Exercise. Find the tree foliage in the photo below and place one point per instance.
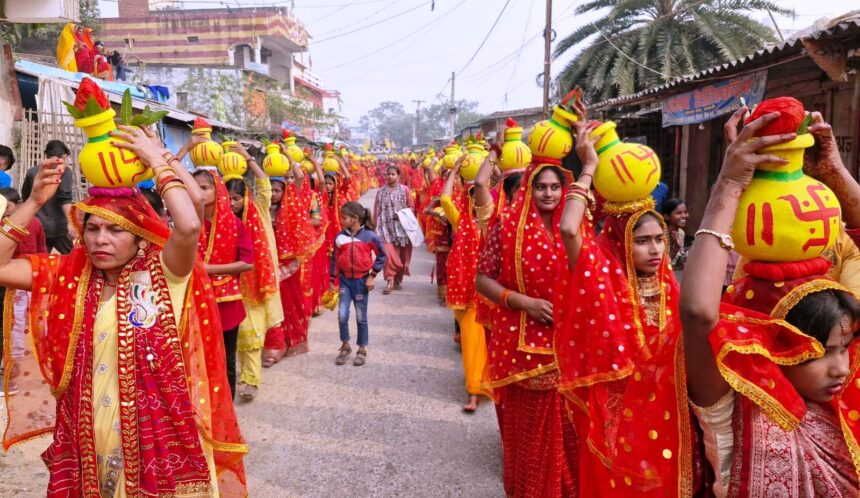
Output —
(671, 37)
(391, 120)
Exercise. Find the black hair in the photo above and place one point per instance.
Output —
(353, 208)
(554, 169)
(6, 153)
(205, 174)
(154, 199)
(236, 186)
(394, 167)
(11, 195)
(56, 148)
(510, 184)
(817, 313)
(670, 205)
(654, 215)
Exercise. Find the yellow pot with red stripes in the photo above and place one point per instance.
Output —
(551, 137)
(625, 171)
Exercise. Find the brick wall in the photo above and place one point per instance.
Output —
(133, 9)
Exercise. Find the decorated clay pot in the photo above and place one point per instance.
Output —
(551, 138)
(625, 171)
(330, 164)
(470, 165)
(275, 163)
(785, 215)
(232, 164)
(293, 150)
(207, 153)
(516, 155)
(307, 165)
(452, 153)
(103, 164)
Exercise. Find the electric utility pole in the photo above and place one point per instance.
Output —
(547, 40)
(415, 124)
(453, 108)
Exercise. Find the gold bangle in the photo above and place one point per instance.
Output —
(172, 185)
(577, 197)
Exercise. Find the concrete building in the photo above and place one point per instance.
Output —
(224, 62)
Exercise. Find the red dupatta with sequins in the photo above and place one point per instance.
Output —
(219, 244)
(751, 342)
(531, 259)
(463, 259)
(623, 369)
(294, 234)
(169, 401)
(261, 282)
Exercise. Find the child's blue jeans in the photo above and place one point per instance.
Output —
(352, 290)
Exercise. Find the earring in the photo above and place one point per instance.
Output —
(141, 247)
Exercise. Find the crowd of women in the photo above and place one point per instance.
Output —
(608, 378)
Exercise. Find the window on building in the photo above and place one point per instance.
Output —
(193, 39)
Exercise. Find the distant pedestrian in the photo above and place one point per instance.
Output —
(54, 215)
(354, 265)
(7, 160)
(391, 198)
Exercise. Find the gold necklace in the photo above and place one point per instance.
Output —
(650, 290)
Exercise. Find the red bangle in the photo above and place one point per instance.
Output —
(503, 298)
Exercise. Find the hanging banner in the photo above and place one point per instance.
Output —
(714, 100)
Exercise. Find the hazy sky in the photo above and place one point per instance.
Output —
(376, 50)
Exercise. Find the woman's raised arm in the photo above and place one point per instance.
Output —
(702, 289)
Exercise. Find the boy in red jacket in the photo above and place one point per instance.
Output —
(354, 265)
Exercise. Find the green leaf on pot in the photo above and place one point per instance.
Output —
(73, 111)
(92, 107)
(804, 125)
(125, 109)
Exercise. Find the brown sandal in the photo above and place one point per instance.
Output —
(342, 355)
(360, 357)
(272, 356)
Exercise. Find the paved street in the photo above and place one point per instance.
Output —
(390, 428)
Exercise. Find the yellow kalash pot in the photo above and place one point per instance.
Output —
(232, 164)
(626, 172)
(293, 150)
(307, 165)
(551, 138)
(785, 215)
(452, 153)
(473, 160)
(275, 163)
(330, 164)
(209, 152)
(428, 157)
(103, 164)
(516, 155)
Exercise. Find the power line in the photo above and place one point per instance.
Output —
(522, 45)
(362, 19)
(362, 28)
(496, 22)
(391, 44)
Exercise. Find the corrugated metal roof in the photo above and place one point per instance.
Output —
(821, 30)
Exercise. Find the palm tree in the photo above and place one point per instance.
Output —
(644, 43)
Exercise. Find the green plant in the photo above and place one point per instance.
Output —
(639, 44)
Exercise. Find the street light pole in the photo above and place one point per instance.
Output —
(415, 124)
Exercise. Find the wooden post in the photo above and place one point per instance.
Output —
(854, 157)
(547, 40)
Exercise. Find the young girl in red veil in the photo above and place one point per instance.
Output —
(260, 291)
(774, 388)
(520, 261)
(295, 239)
(618, 345)
(128, 315)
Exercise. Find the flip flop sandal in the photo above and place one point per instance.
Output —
(387, 290)
(360, 357)
(342, 355)
(269, 359)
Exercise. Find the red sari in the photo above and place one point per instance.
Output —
(296, 241)
(783, 442)
(618, 347)
(538, 440)
(173, 383)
